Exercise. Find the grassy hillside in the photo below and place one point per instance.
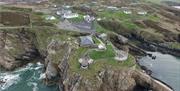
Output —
(158, 1)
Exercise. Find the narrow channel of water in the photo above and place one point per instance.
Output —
(165, 68)
(28, 78)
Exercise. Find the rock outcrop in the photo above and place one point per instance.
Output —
(17, 47)
(113, 80)
(118, 80)
(51, 71)
(56, 60)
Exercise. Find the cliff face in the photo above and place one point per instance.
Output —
(108, 79)
(113, 80)
(57, 66)
(17, 47)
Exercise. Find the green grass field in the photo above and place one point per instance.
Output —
(108, 53)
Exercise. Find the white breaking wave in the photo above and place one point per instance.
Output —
(42, 76)
(12, 78)
(9, 79)
(39, 64)
(34, 88)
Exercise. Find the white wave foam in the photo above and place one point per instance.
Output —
(39, 63)
(9, 80)
(37, 68)
(35, 88)
(42, 76)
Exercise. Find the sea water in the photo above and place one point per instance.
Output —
(28, 78)
(165, 68)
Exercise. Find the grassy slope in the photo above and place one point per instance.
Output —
(98, 64)
(109, 53)
(159, 1)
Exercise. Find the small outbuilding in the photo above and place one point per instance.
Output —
(85, 62)
(142, 13)
(112, 8)
(127, 12)
(50, 18)
(70, 15)
(89, 18)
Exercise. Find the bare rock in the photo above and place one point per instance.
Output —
(51, 71)
(16, 48)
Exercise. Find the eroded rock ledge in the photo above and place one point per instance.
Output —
(17, 47)
(114, 80)
(108, 79)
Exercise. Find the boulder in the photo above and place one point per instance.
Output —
(122, 39)
(51, 71)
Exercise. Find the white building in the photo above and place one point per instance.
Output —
(101, 47)
(112, 8)
(61, 12)
(98, 19)
(142, 13)
(70, 15)
(85, 62)
(67, 14)
(50, 18)
(127, 12)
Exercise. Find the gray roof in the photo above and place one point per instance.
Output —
(85, 61)
(86, 40)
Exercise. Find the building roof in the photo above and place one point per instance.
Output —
(142, 12)
(85, 61)
(70, 15)
(63, 11)
(50, 18)
(86, 40)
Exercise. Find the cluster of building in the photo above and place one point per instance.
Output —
(87, 41)
(67, 14)
(87, 26)
(84, 25)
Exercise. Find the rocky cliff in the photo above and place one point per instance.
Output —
(17, 47)
(107, 79)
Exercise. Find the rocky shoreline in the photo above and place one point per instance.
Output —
(57, 49)
(160, 48)
(17, 48)
(107, 80)
(58, 73)
(149, 72)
